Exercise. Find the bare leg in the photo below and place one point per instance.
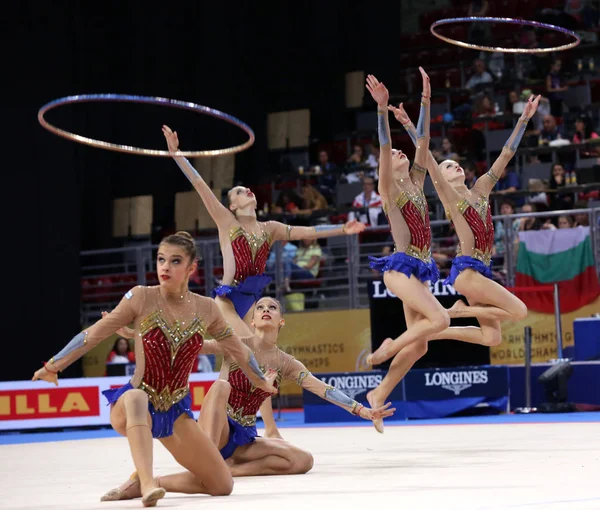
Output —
(241, 326)
(207, 472)
(494, 302)
(402, 363)
(270, 457)
(213, 416)
(416, 296)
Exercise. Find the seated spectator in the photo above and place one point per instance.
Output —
(357, 158)
(326, 170)
(312, 200)
(368, 198)
(507, 207)
(445, 151)
(121, 352)
(583, 130)
(509, 181)
(373, 159)
(288, 254)
(306, 265)
(470, 174)
(582, 219)
(566, 222)
(529, 223)
(515, 104)
(550, 131)
(557, 181)
(555, 87)
(288, 202)
(480, 78)
(537, 185)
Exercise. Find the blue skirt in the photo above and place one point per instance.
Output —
(238, 436)
(162, 422)
(459, 264)
(407, 265)
(245, 294)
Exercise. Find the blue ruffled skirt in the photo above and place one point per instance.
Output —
(245, 294)
(238, 436)
(407, 265)
(459, 264)
(162, 422)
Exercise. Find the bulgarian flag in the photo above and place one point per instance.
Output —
(561, 256)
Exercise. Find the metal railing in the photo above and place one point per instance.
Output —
(340, 284)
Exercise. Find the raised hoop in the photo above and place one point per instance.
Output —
(174, 103)
(511, 21)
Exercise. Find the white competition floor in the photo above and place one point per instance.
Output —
(546, 462)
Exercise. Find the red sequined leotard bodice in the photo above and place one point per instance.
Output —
(479, 218)
(414, 209)
(250, 252)
(170, 355)
(245, 399)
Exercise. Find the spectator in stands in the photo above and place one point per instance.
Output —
(373, 159)
(326, 170)
(582, 219)
(529, 223)
(306, 265)
(368, 198)
(121, 352)
(509, 181)
(566, 222)
(529, 65)
(445, 151)
(470, 174)
(583, 130)
(550, 131)
(537, 186)
(515, 104)
(555, 87)
(357, 158)
(557, 181)
(288, 202)
(288, 254)
(480, 78)
(312, 200)
(507, 207)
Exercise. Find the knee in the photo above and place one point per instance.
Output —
(135, 400)
(224, 488)
(520, 312)
(302, 463)
(221, 388)
(441, 321)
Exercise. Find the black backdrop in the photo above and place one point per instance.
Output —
(246, 58)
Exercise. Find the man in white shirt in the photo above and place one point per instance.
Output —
(480, 77)
(368, 198)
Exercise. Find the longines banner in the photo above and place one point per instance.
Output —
(75, 403)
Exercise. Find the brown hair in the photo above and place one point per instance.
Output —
(183, 240)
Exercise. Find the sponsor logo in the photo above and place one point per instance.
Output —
(456, 381)
(50, 403)
(353, 385)
(380, 291)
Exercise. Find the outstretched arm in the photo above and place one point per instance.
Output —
(279, 231)
(381, 96)
(487, 182)
(86, 340)
(218, 212)
(423, 135)
(296, 371)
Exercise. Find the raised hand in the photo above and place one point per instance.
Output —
(426, 83)
(354, 227)
(399, 113)
(171, 137)
(125, 332)
(378, 413)
(378, 91)
(531, 107)
(44, 374)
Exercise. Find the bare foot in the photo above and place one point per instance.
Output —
(381, 354)
(375, 403)
(457, 309)
(129, 490)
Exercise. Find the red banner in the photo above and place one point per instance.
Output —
(50, 403)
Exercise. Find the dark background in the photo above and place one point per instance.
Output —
(387, 320)
(245, 58)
